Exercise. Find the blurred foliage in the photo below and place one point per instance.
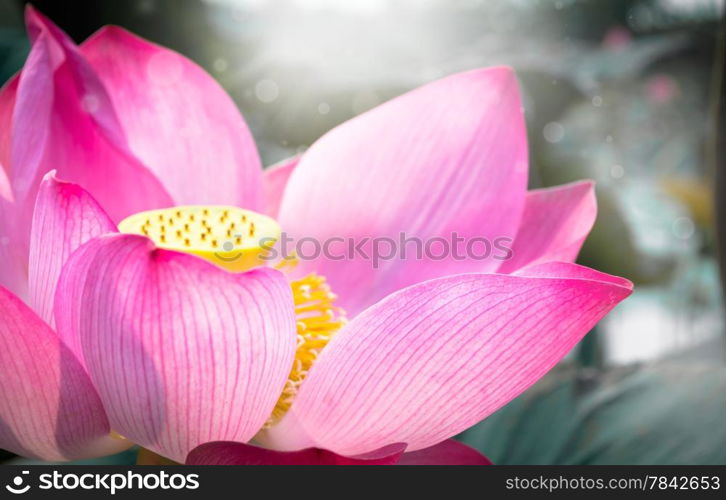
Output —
(127, 457)
(14, 44)
(667, 413)
(13, 51)
(610, 247)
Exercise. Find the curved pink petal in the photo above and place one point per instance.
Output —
(274, 181)
(182, 352)
(178, 121)
(554, 226)
(571, 271)
(27, 99)
(449, 157)
(10, 273)
(48, 407)
(13, 273)
(430, 361)
(6, 190)
(64, 120)
(31, 117)
(229, 453)
(449, 452)
(65, 217)
(8, 94)
(13, 270)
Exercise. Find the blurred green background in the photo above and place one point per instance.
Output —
(624, 92)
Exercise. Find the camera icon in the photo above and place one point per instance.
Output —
(17, 487)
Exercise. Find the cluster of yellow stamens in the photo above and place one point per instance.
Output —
(230, 237)
(318, 319)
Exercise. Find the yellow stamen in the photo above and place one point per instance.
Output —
(287, 263)
(318, 319)
(204, 233)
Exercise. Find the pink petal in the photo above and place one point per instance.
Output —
(448, 157)
(274, 181)
(182, 352)
(555, 223)
(12, 259)
(229, 453)
(21, 144)
(12, 272)
(7, 104)
(449, 452)
(429, 361)
(56, 115)
(6, 190)
(572, 271)
(31, 117)
(48, 406)
(178, 121)
(64, 120)
(65, 217)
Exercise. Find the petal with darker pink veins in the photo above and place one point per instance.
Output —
(65, 217)
(433, 359)
(181, 351)
(445, 161)
(49, 408)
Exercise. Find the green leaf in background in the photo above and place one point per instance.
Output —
(669, 412)
(127, 457)
(533, 428)
(14, 49)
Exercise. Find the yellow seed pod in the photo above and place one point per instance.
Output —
(230, 237)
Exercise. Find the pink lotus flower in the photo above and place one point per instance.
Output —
(104, 331)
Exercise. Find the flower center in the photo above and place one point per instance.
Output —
(318, 319)
(230, 237)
